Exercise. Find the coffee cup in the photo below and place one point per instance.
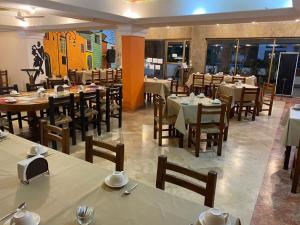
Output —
(22, 218)
(201, 95)
(36, 149)
(117, 178)
(215, 217)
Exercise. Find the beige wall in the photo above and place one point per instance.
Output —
(199, 34)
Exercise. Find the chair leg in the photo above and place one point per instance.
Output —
(160, 134)
(225, 133)
(240, 114)
(220, 144)
(20, 120)
(295, 181)
(254, 113)
(155, 130)
(180, 140)
(98, 123)
(10, 124)
(120, 118)
(73, 130)
(190, 137)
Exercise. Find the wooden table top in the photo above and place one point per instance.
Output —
(31, 101)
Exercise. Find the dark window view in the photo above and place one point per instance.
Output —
(254, 56)
(154, 50)
(187, 52)
(175, 52)
(221, 56)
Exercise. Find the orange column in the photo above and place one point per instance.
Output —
(133, 54)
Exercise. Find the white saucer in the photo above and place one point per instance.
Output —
(107, 182)
(201, 219)
(200, 96)
(10, 101)
(172, 96)
(36, 218)
(44, 152)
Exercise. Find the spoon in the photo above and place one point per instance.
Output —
(20, 207)
(127, 192)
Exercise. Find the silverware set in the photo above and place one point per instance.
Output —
(20, 207)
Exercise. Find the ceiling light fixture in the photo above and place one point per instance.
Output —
(218, 24)
(253, 22)
(131, 14)
(32, 10)
(168, 27)
(199, 11)
(297, 20)
(23, 23)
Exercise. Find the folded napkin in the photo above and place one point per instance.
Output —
(216, 101)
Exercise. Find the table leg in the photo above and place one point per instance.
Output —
(33, 132)
(287, 154)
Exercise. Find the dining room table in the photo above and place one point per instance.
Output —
(31, 102)
(157, 86)
(291, 134)
(235, 91)
(73, 182)
(185, 109)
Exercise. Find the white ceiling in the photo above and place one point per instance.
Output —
(83, 14)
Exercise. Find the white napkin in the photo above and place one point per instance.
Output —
(216, 101)
(66, 86)
(192, 94)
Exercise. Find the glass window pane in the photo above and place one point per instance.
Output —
(254, 57)
(221, 56)
(187, 52)
(175, 52)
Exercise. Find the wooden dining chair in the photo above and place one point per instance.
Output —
(79, 76)
(55, 134)
(161, 120)
(295, 173)
(88, 112)
(3, 78)
(267, 97)
(109, 77)
(35, 87)
(214, 129)
(198, 83)
(239, 79)
(118, 76)
(178, 91)
(113, 106)
(72, 77)
(227, 100)
(214, 85)
(4, 125)
(210, 179)
(61, 113)
(248, 103)
(96, 79)
(54, 82)
(12, 116)
(113, 153)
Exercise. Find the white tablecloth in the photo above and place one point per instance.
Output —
(158, 87)
(188, 113)
(291, 133)
(73, 182)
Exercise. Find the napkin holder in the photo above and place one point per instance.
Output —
(32, 167)
(58, 88)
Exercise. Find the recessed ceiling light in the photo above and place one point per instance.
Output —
(297, 20)
(218, 24)
(131, 14)
(248, 45)
(168, 27)
(253, 22)
(23, 23)
(199, 11)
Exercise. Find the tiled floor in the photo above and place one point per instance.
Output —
(240, 169)
(276, 204)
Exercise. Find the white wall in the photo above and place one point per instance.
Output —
(15, 54)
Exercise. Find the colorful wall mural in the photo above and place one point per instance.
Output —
(80, 50)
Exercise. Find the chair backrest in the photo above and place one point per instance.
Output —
(3, 78)
(159, 105)
(66, 103)
(118, 75)
(34, 87)
(7, 90)
(54, 82)
(113, 153)
(217, 80)
(210, 179)
(250, 94)
(109, 75)
(56, 134)
(227, 100)
(215, 111)
(79, 76)
(237, 79)
(174, 87)
(72, 76)
(198, 80)
(86, 99)
(268, 90)
(114, 95)
(96, 76)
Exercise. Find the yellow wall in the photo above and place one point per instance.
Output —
(77, 60)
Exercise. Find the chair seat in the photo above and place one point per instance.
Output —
(61, 119)
(88, 112)
(167, 120)
(245, 104)
(3, 122)
(209, 128)
(112, 107)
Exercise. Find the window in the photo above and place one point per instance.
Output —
(90, 62)
(89, 45)
(82, 48)
(63, 45)
(175, 52)
(221, 56)
(97, 39)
